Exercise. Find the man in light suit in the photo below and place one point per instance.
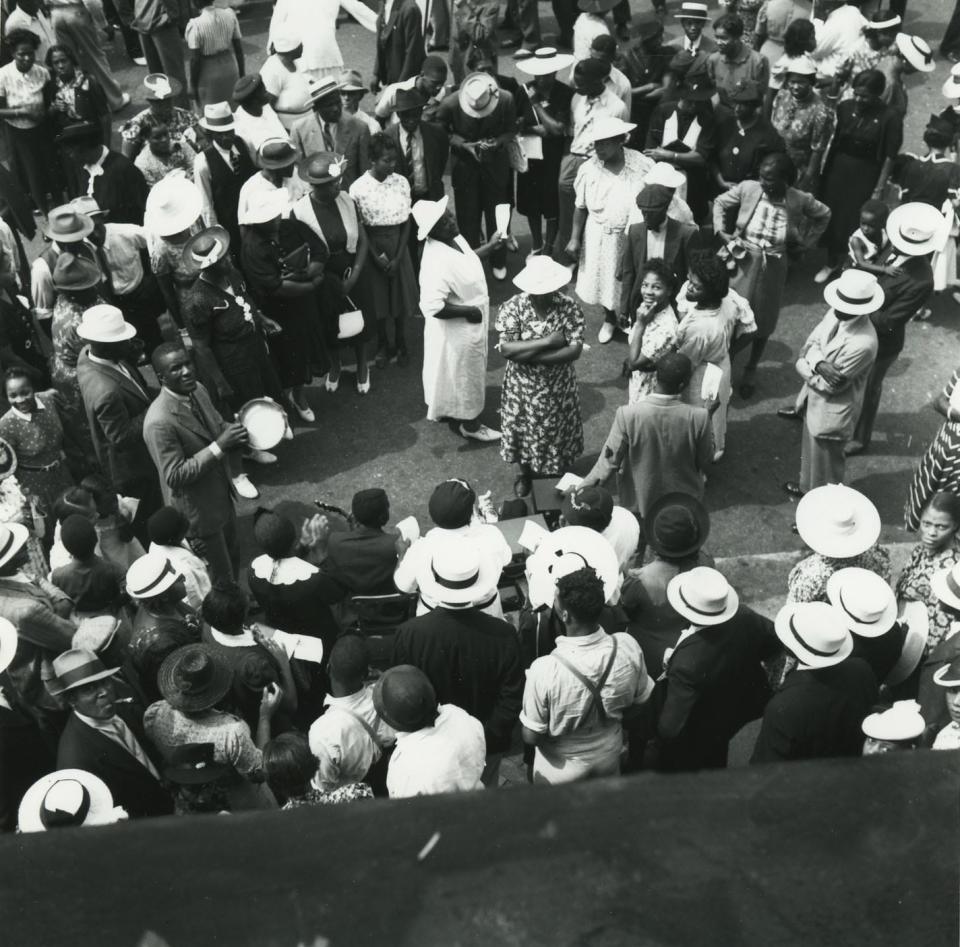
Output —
(834, 364)
(329, 128)
(194, 449)
(116, 399)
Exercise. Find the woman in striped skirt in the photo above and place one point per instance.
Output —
(216, 54)
(940, 466)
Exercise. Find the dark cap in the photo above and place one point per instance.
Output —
(676, 525)
(674, 371)
(407, 100)
(647, 26)
(371, 507)
(451, 505)
(246, 86)
(405, 698)
(588, 506)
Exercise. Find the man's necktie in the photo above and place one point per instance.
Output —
(409, 156)
(201, 418)
(129, 740)
(235, 160)
(327, 137)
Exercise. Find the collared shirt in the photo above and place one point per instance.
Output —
(254, 130)
(767, 228)
(24, 90)
(623, 531)
(122, 245)
(585, 111)
(619, 84)
(447, 757)
(116, 729)
(342, 745)
(414, 144)
(28, 417)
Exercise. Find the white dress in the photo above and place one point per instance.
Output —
(316, 22)
(454, 350)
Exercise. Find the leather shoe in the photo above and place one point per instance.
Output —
(852, 448)
(793, 488)
(789, 414)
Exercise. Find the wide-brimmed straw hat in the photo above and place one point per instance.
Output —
(945, 584)
(73, 273)
(161, 87)
(948, 675)
(916, 228)
(321, 167)
(12, 538)
(8, 459)
(204, 249)
(151, 575)
(915, 618)
(814, 632)
(66, 224)
(95, 633)
(676, 525)
(66, 798)
(855, 293)
(666, 175)
(692, 10)
(916, 51)
(478, 95)
(426, 214)
(951, 87)
(837, 521)
(897, 724)
(217, 117)
(564, 551)
(77, 667)
(542, 275)
(173, 205)
(609, 126)
(867, 602)
(194, 678)
(458, 575)
(352, 81)
(104, 323)
(703, 596)
(264, 206)
(8, 643)
(405, 699)
(544, 61)
(323, 88)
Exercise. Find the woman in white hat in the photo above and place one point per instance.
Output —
(605, 189)
(162, 93)
(877, 50)
(899, 727)
(286, 82)
(541, 336)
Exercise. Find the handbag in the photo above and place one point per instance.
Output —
(518, 160)
(350, 321)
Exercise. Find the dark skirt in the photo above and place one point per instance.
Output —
(293, 348)
(32, 158)
(848, 184)
(396, 296)
(537, 186)
(333, 301)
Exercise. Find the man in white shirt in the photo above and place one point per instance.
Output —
(604, 48)
(440, 748)
(29, 15)
(255, 120)
(430, 84)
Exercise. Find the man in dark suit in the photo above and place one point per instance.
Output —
(331, 129)
(713, 680)
(914, 231)
(193, 448)
(116, 399)
(819, 710)
(400, 47)
(106, 739)
(362, 561)
(472, 659)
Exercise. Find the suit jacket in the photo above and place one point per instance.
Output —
(675, 255)
(116, 408)
(400, 46)
(473, 661)
(193, 479)
(351, 138)
(807, 218)
(817, 713)
(833, 411)
(132, 784)
(714, 684)
(903, 295)
(657, 445)
(362, 561)
(436, 150)
(121, 190)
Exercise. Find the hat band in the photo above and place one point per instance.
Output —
(7, 544)
(150, 586)
(907, 238)
(225, 121)
(700, 611)
(455, 583)
(81, 673)
(856, 618)
(809, 647)
(59, 818)
(854, 300)
(209, 258)
(952, 584)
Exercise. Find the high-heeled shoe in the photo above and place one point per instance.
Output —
(331, 386)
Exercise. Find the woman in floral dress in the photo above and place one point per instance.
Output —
(15, 507)
(290, 768)
(541, 336)
(654, 331)
(72, 96)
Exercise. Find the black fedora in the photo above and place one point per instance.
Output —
(676, 525)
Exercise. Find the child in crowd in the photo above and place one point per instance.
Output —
(167, 529)
(95, 586)
(866, 242)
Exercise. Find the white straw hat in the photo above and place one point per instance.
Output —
(151, 575)
(458, 575)
(703, 596)
(666, 175)
(865, 599)
(837, 521)
(609, 126)
(802, 65)
(173, 204)
(915, 618)
(104, 323)
(479, 95)
(566, 550)
(264, 206)
(12, 538)
(543, 62)
(946, 586)
(951, 88)
(854, 292)
(67, 797)
(217, 117)
(692, 10)
(426, 214)
(8, 643)
(814, 632)
(916, 228)
(542, 275)
(916, 51)
(897, 724)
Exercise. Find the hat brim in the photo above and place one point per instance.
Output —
(914, 617)
(223, 238)
(101, 800)
(625, 129)
(945, 678)
(899, 217)
(9, 472)
(874, 629)
(176, 87)
(303, 171)
(442, 597)
(541, 287)
(951, 88)
(275, 164)
(168, 582)
(165, 224)
(679, 604)
(939, 587)
(781, 625)
(87, 283)
(576, 540)
(86, 229)
(693, 506)
(702, 17)
(810, 527)
(209, 773)
(545, 67)
(56, 690)
(473, 112)
(425, 226)
(852, 309)
(217, 128)
(217, 688)
(127, 333)
(8, 643)
(914, 56)
(20, 536)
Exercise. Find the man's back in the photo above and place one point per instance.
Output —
(362, 560)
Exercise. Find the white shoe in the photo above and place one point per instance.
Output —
(139, 60)
(500, 273)
(482, 433)
(259, 456)
(606, 333)
(823, 274)
(244, 487)
(306, 414)
(124, 100)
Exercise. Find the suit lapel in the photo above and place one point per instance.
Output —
(671, 239)
(114, 374)
(182, 413)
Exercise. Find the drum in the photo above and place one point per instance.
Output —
(265, 421)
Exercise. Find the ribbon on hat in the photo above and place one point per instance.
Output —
(160, 86)
(796, 634)
(210, 257)
(52, 816)
(699, 611)
(168, 569)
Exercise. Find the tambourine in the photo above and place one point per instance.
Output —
(265, 421)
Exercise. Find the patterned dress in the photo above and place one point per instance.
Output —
(807, 581)
(318, 797)
(939, 467)
(154, 168)
(182, 127)
(540, 404)
(805, 127)
(914, 585)
(659, 337)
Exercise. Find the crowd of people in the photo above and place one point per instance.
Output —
(257, 233)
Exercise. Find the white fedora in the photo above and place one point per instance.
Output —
(916, 51)
(67, 797)
(914, 617)
(896, 724)
(946, 586)
(703, 596)
(151, 575)
(566, 550)
(104, 323)
(264, 206)
(542, 275)
(8, 643)
(217, 117)
(693, 10)
(665, 175)
(458, 576)
(951, 88)
(543, 62)
(95, 633)
(609, 126)
(173, 204)
(12, 538)
(865, 599)
(814, 632)
(479, 95)
(837, 521)
(917, 229)
(854, 292)
(426, 214)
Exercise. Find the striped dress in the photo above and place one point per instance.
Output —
(211, 35)
(939, 467)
